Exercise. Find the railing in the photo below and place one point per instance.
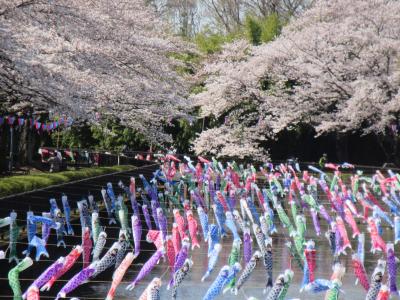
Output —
(303, 164)
(84, 157)
(77, 157)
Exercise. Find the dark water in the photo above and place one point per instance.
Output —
(195, 289)
(192, 287)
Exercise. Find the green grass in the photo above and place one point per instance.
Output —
(24, 183)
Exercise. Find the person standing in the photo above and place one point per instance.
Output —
(323, 160)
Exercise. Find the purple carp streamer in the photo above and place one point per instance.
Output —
(146, 269)
(79, 279)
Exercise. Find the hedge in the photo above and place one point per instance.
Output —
(24, 183)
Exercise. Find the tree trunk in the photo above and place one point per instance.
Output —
(396, 150)
(3, 149)
(381, 144)
(342, 153)
(390, 147)
(30, 146)
(23, 145)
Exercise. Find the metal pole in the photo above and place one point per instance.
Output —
(10, 163)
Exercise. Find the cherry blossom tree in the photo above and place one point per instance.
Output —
(82, 57)
(335, 68)
(225, 141)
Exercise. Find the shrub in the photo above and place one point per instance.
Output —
(210, 43)
(253, 30)
(271, 28)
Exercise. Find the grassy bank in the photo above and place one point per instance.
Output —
(24, 183)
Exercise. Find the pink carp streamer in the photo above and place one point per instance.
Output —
(119, 274)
